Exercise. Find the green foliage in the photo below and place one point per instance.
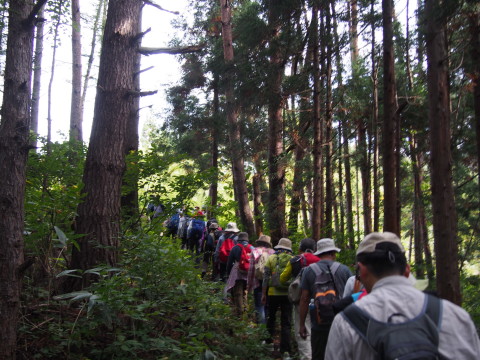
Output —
(155, 307)
(51, 198)
(470, 286)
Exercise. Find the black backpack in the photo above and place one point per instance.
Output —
(326, 293)
(416, 338)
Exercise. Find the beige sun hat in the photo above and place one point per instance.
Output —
(370, 242)
(285, 244)
(264, 240)
(232, 227)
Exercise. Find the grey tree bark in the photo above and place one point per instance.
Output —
(14, 147)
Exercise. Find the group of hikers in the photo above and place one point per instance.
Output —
(380, 312)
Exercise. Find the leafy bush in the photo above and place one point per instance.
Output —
(154, 307)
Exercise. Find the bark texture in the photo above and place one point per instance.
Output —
(76, 109)
(238, 167)
(276, 161)
(14, 147)
(317, 137)
(37, 76)
(389, 122)
(99, 214)
(443, 202)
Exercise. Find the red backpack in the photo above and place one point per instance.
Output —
(225, 248)
(245, 258)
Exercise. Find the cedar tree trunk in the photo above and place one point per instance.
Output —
(98, 218)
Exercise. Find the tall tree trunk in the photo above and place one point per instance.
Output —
(276, 161)
(317, 130)
(58, 10)
(37, 76)
(348, 188)
(375, 127)
(389, 122)
(365, 176)
(213, 191)
(76, 109)
(297, 186)
(305, 211)
(257, 204)
(474, 20)
(443, 202)
(14, 147)
(329, 184)
(418, 209)
(129, 200)
(240, 183)
(342, 198)
(259, 187)
(353, 30)
(99, 20)
(98, 220)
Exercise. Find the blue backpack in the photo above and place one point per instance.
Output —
(196, 229)
(172, 225)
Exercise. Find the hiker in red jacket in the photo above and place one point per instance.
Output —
(237, 271)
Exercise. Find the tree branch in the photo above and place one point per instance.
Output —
(30, 20)
(159, 7)
(173, 51)
(142, 93)
(142, 34)
(143, 70)
(23, 267)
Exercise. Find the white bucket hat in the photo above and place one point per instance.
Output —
(326, 245)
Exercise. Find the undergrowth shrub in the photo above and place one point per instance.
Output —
(154, 306)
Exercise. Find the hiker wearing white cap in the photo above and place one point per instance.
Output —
(401, 319)
(312, 282)
(263, 249)
(221, 257)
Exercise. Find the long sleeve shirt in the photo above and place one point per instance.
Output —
(458, 338)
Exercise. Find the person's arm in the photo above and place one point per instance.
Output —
(232, 258)
(286, 273)
(349, 287)
(340, 343)
(303, 312)
(217, 248)
(267, 273)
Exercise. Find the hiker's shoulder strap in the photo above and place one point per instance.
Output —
(316, 268)
(358, 319)
(433, 307)
(334, 267)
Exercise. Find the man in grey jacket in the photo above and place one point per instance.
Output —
(393, 298)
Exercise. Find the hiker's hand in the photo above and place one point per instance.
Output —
(303, 331)
(264, 299)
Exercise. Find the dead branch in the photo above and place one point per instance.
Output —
(148, 2)
(173, 50)
(30, 20)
